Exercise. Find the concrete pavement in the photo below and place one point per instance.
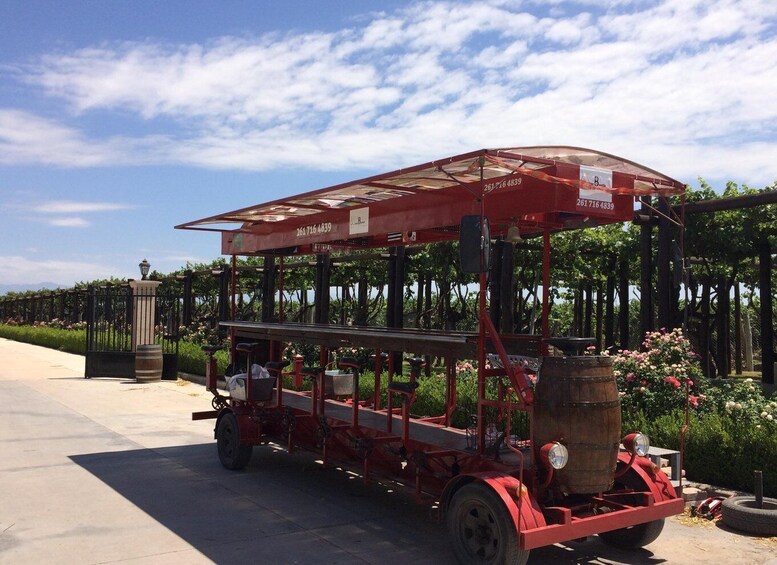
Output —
(107, 470)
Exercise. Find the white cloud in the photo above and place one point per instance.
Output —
(73, 207)
(26, 138)
(571, 31)
(60, 213)
(29, 139)
(429, 80)
(16, 269)
(68, 222)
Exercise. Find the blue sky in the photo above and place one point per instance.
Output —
(119, 120)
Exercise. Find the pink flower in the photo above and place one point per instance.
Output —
(694, 400)
(631, 377)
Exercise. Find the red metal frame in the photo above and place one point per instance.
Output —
(543, 190)
(537, 186)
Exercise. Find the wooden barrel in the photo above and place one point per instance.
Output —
(576, 403)
(148, 363)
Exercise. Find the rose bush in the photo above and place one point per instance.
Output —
(743, 402)
(655, 380)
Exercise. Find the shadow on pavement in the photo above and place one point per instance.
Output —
(285, 509)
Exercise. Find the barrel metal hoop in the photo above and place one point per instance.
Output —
(585, 404)
(599, 379)
(585, 361)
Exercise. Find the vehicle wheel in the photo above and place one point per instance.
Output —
(232, 455)
(741, 513)
(634, 537)
(481, 528)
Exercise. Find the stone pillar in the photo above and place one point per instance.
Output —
(144, 297)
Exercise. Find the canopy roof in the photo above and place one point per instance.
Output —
(536, 187)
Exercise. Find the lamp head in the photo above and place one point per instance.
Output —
(144, 268)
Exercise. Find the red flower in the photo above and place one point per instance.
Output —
(674, 382)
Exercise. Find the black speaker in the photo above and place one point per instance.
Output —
(474, 244)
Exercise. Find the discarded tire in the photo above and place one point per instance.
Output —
(741, 513)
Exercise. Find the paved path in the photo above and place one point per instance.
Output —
(105, 471)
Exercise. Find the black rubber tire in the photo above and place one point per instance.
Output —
(231, 454)
(634, 537)
(481, 528)
(740, 513)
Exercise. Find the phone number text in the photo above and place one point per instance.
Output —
(595, 204)
(314, 229)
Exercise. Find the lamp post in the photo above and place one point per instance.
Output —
(144, 267)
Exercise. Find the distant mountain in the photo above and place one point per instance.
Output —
(6, 288)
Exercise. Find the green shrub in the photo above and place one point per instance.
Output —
(70, 341)
(192, 359)
(744, 401)
(719, 450)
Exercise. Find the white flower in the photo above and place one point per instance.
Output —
(770, 417)
(748, 381)
(738, 406)
(764, 414)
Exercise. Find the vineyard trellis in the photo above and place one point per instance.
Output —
(610, 286)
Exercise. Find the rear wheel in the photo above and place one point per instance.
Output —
(232, 455)
(481, 528)
(634, 537)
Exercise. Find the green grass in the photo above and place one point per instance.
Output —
(191, 358)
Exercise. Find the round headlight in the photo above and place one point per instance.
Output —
(555, 455)
(638, 444)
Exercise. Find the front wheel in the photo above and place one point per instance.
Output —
(481, 528)
(232, 455)
(634, 537)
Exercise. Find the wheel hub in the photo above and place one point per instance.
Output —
(477, 529)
